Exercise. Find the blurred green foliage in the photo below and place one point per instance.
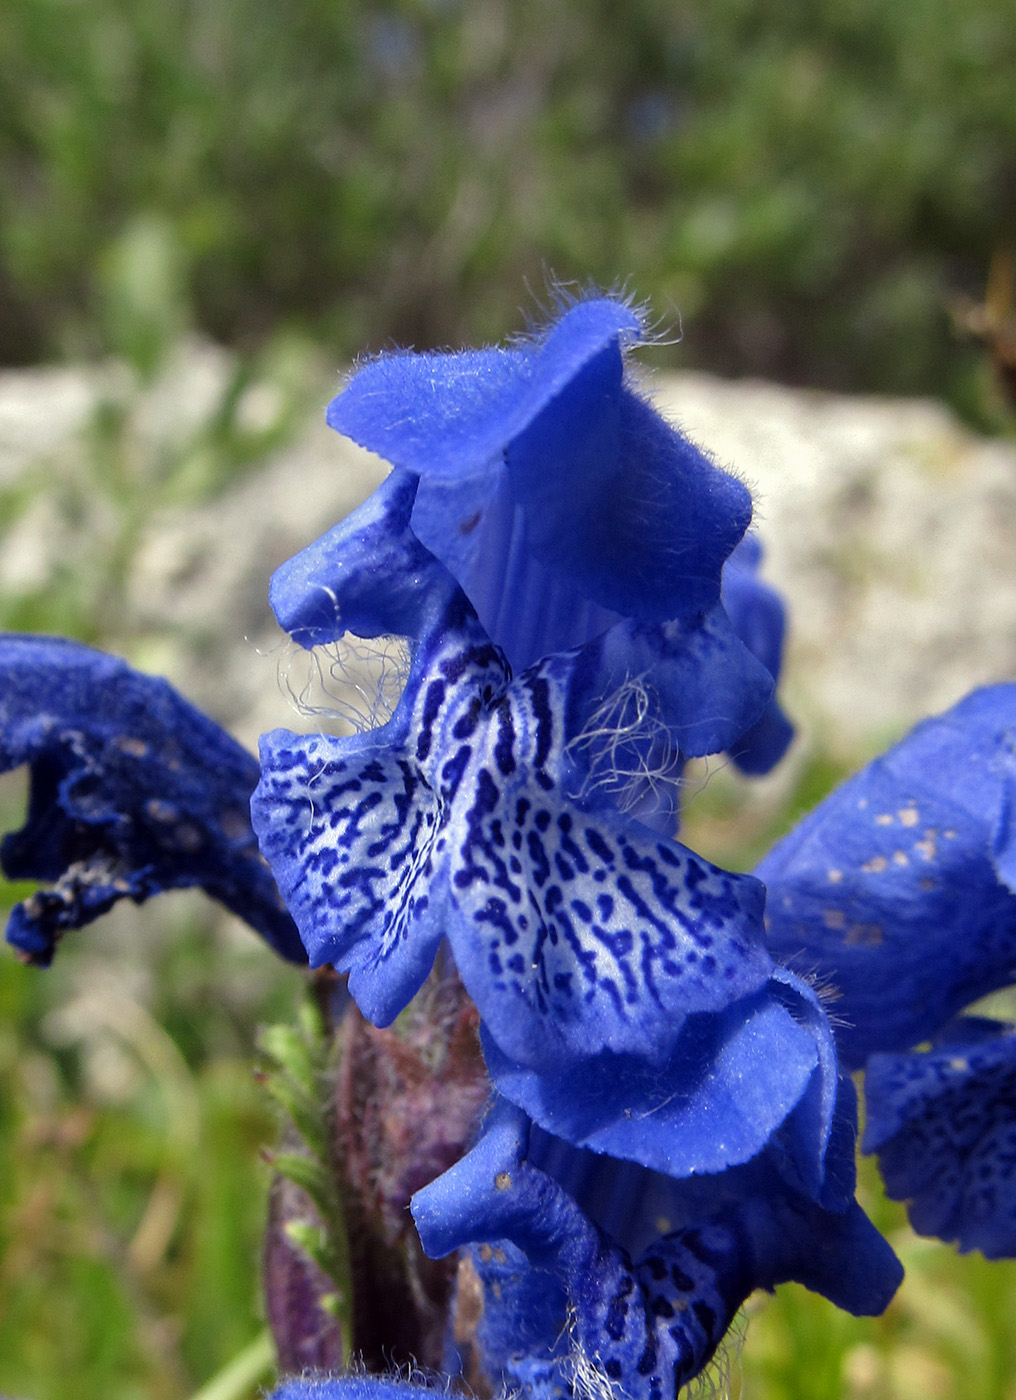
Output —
(804, 184)
(132, 1192)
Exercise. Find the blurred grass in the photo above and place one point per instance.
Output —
(805, 186)
(133, 1194)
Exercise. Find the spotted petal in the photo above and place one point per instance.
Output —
(943, 1123)
(350, 830)
(580, 932)
(574, 931)
(133, 791)
(353, 828)
(894, 890)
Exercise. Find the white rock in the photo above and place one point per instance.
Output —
(890, 529)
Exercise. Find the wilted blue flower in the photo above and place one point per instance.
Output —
(943, 1123)
(898, 891)
(133, 791)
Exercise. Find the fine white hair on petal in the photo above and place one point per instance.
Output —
(559, 295)
(589, 1381)
(587, 1378)
(714, 1381)
(353, 682)
(625, 747)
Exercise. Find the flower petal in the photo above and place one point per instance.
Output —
(943, 1123)
(478, 529)
(890, 890)
(620, 502)
(635, 1204)
(731, 1080)
(574, 932)
(451, 413)
(633, 1325)
(701, 685)
(760, 1075)
(133, 791)
(368, 575)
(580, 933)
(349, 829)
(557, 498)
(662, 1318)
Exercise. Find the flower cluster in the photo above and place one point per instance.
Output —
(668, 1129)
(590, 1063)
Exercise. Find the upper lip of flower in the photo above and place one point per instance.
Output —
(542, 472)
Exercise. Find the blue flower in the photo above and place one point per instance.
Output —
(555, 554)
(133, 791)
(594, 949)
(669, 1129)
(898, 891)
(598, 1273)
